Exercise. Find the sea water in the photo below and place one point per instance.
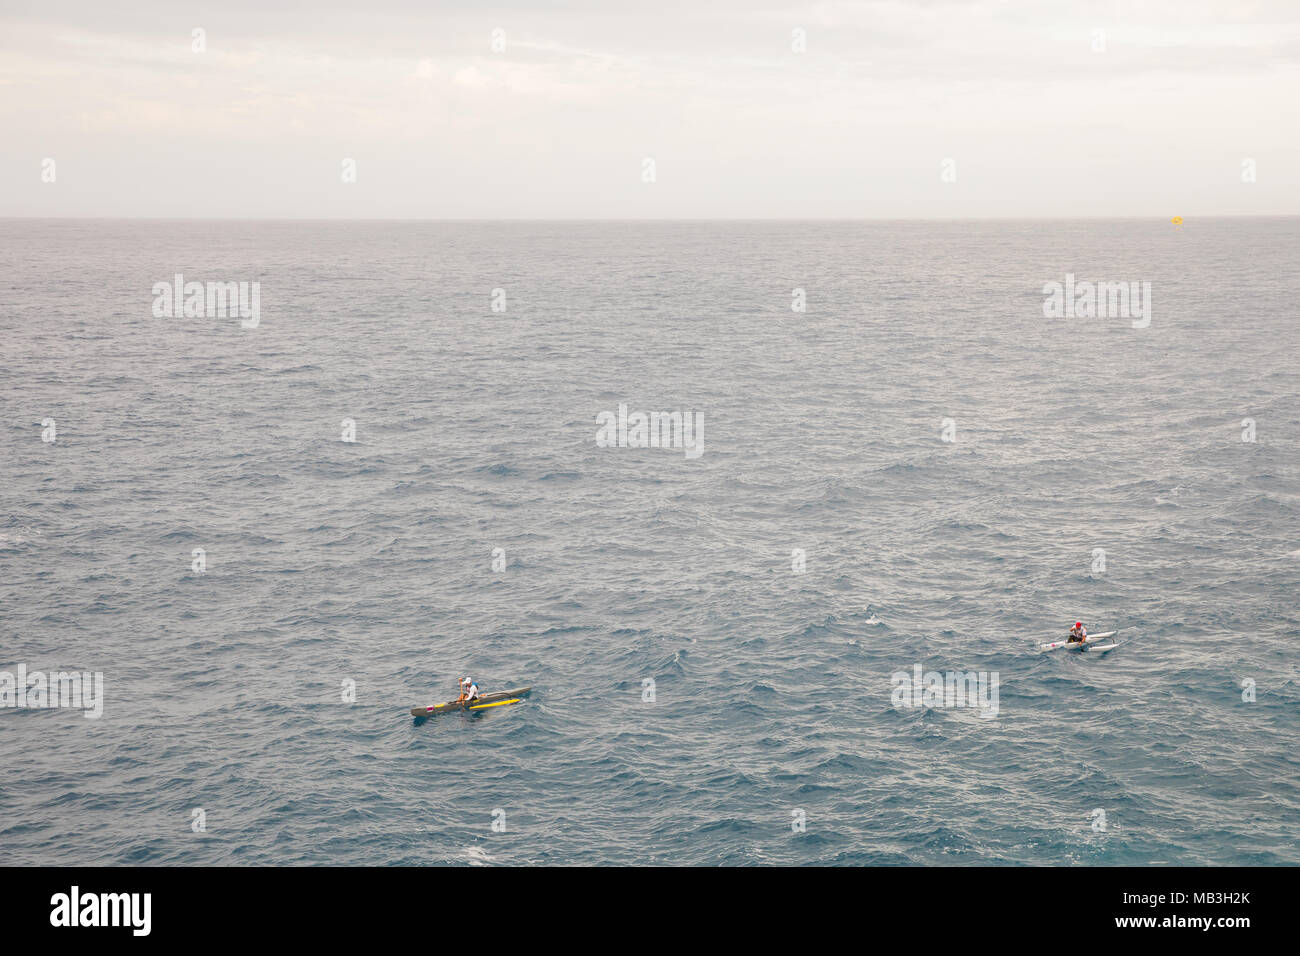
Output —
(272, 538)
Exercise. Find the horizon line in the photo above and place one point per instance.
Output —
(639, 219)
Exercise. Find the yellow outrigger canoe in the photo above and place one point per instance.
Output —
(485, 701)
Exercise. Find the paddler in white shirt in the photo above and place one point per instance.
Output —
(1078, 634)
(468, 690)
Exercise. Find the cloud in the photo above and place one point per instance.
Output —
(582, 92)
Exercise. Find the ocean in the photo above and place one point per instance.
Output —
(275, 532)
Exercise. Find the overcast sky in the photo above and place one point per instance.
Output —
(1028, 108)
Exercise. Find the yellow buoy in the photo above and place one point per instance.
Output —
(1177, 220)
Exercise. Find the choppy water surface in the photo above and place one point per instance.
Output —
(371, 561)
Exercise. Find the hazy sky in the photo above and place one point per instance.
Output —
(1038, 112)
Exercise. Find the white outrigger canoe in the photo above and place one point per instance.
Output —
(1088, 641)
